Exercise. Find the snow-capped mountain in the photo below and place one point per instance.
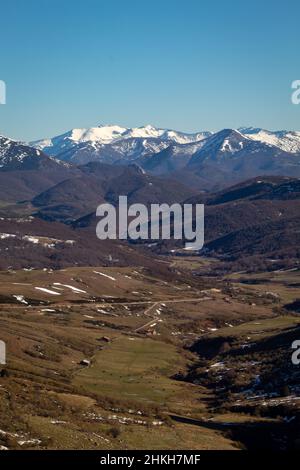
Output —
(221, 159)
(112, 143)
(19, 156)
(289, 141)
(225, 142)
(202, 159)
(214, 147)
(229, 156)
(231, 144)
(117, 144)
(26, 171)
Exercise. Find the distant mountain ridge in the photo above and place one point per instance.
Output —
(17, 155)
(254, 223)
(203, 161)
(222, 159)
(289, 141)
(26, 171)
(112, 143)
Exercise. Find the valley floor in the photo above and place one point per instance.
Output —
(121, 358)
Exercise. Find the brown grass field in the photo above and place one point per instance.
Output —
(133, 329)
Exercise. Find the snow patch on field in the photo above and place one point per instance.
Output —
(20, 298)
(74, 289)
(105, 275)
(3, 236)
(47, 291)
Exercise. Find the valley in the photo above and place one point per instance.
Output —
(108, 357)
(149, 233)
(123, 344)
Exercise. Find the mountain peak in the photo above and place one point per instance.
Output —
(285, 140)
(225, 141)
(111, 143)
(19, 156)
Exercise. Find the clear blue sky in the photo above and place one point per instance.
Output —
(189, 65)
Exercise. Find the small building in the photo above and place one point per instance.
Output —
(106, 339)
(85, 362)
(151, 332)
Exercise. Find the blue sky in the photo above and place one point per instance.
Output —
(189, 65)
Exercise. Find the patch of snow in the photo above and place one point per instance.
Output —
(20, 298)
(74, 289)
(105, 275)
(3, 236)
(47, 291)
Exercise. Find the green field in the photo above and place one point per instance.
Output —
(134, 369)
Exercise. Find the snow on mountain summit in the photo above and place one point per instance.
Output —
(110, 143)
(104, 134)
(288, 141)
(116, 144)
(225, 141)
(17, 155)
(147, 131)
(100, 134)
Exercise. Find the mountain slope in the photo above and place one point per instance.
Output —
(26, 171)
(80, 195)
(222, 159)
(34, 243)
(253, 225)
(173, 158)
(289, 141)
(18, 156)
(229, 156)
(69, 199)
(204, 160)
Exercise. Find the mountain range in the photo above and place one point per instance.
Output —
(203, 160)
(112, 143)
(247, 178)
